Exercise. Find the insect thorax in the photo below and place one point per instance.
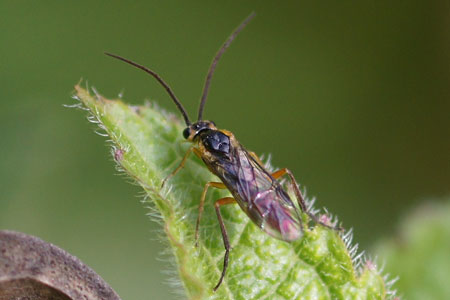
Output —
(215, 141)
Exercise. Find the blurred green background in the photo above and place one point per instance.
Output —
(352, 97)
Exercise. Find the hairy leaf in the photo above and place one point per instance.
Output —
(148, 145)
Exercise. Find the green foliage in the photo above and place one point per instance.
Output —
(420, 253)
(147, 145)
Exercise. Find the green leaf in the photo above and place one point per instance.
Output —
(420, 252)
(147, 144)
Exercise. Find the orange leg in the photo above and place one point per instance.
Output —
(217, 205)
(197, 152)
(180, 166)
(298, 194)
(218, 185)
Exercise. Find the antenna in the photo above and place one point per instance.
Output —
(216, 60)
(161, 81)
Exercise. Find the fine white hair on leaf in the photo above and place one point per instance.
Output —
(390, 291)
(97, 94)
(388, 282)
(121, 93)
(75, 97)
(332, 219)
(371, 263)
(347, 238)
(381, 268)
(310, 203)
(358, 261)
(352, 251)
(267, 162)
(100, 133)
(93, 119)
(75, 105)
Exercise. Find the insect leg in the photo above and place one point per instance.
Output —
(183, 161)
(298, 194)
(218, 185)
(217, 205)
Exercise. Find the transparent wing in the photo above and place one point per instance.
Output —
(263, 198)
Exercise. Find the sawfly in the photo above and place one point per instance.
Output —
(257, 191)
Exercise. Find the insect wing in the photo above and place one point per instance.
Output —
(264, 199)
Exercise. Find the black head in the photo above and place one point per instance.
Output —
(192, 131)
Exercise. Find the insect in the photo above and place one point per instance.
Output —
(257, 191)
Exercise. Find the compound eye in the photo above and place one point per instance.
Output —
(186, 133)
